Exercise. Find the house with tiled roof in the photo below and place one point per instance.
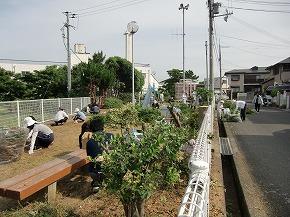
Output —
(247, 80)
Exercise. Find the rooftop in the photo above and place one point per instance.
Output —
(253, 70)
(32, 62)
(285, 61)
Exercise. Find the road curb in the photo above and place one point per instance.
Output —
(249, 192)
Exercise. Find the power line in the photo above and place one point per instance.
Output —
(259, 10)
(96, 6)
(261, 30)
(251, 52)
(255, 42)
(113, 7)
(263, 2)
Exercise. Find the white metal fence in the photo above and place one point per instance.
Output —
(12, 113)
(195, 202)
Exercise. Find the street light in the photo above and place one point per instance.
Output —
(182, 7)
(132, 28)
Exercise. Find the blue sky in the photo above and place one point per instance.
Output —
(30, 29)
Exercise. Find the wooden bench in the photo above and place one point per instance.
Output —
(46, 175)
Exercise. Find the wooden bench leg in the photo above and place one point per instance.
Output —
(51, 193)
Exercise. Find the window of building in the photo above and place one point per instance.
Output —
(286, 67)
(276, 70)
(235, 89)
(235, 77)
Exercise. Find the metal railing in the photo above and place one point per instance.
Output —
(12, 113)
(195, 202)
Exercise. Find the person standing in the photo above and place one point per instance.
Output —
(61, 117)
(258, 101)
(241, 106)
(40, 135)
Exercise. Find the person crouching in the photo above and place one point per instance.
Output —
(61, 117)
(40, 135)
(79, 116)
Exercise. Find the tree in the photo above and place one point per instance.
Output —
(123, 71)
(94, 76)
(175, 75)
(48, 83)
(10, 87)
(205, 94)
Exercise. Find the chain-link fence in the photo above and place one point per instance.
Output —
(12, 113)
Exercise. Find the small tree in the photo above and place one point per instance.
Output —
(135, 168)
(204, 94)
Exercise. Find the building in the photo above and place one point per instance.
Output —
(247, 80)
(190, 87)
(79, 54)
(24, 66)
(225, 85)
(280, 71)
(149, 78)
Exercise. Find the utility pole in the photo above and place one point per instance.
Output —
(211, 74)
(220, 62)
(213, 12)
(206, 64)
(67, 26)
(182, 7)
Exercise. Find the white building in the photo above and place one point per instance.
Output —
(24, 66)
(145, 69)
(149, 78)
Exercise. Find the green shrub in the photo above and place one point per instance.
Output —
(112, 102)
(274, 92)
(125, 97)
(230, 104)
(149, 115)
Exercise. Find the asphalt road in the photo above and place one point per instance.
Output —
(264, 139)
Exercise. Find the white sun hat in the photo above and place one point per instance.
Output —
(28, 121)
(77, 110)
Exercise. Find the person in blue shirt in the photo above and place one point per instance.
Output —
(95, 150)
(79, 116)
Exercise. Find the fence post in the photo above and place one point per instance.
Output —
(81, 103)
(71, 108)
(18, 113)
(58, 102)
(42, 113)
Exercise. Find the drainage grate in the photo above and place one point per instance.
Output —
(225, 146)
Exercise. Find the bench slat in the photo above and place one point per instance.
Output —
(22, 186)
(32, 172)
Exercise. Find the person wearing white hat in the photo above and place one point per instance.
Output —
(79, 116)
(60, 117)
(40, 135)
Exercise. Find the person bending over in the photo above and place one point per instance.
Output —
(95, 150)
(40, 135)
(79, 116)
(60, 117)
